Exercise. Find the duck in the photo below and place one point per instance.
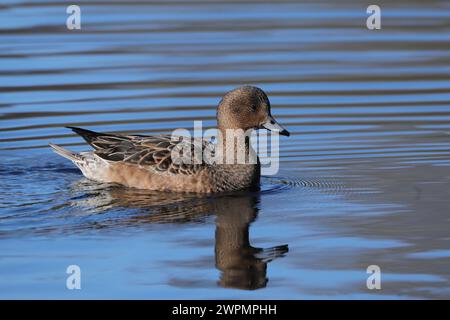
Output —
(159, 163)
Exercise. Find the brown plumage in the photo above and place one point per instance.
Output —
(147, 162)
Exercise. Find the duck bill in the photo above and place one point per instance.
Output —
(272, 125)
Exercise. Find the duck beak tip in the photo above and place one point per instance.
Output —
(272, 125)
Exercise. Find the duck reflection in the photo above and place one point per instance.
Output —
(242, 266)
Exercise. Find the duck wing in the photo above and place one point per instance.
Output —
(164, 153)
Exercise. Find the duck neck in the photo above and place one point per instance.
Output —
(234, 147)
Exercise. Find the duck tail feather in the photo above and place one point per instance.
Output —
(73, 156)
(87, 135)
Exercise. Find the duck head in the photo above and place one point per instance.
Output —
(247, 108)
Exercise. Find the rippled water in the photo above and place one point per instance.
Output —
(364, 177)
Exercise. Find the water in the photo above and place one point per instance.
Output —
(363, 180)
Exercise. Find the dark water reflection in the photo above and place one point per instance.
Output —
(242, 266)
(364, 178)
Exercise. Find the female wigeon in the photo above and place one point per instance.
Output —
(147, 162)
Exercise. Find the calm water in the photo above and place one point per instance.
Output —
(364, 177)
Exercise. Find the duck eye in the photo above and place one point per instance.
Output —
(235, 109)
(253, 107)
